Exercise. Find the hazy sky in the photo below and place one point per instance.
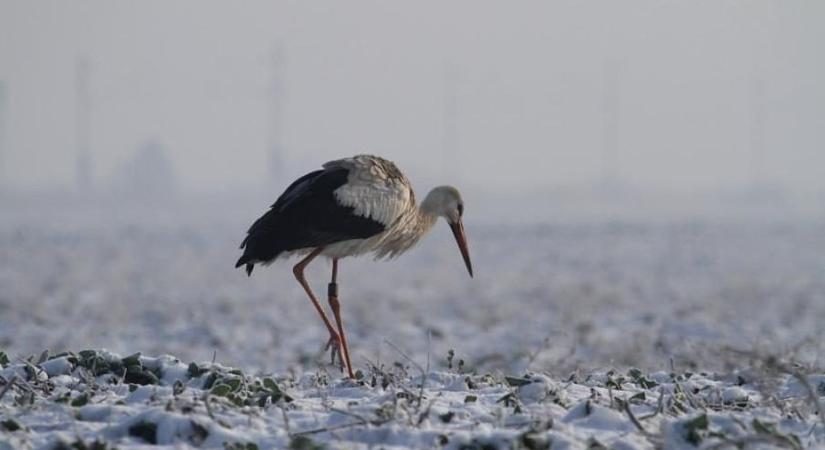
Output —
(691, 81)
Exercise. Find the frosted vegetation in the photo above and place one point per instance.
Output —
(626, 334)
(96, 399)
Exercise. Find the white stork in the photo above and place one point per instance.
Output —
(350, 207)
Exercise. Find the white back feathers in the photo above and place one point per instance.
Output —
(375, 189)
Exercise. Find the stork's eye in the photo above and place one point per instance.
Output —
(460, 209)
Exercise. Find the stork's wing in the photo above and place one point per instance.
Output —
(306, 215)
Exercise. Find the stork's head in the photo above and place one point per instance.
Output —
(446, 202)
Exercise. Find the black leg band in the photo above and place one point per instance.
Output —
(332, 290)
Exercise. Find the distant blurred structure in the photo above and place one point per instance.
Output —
(3, 131)
(449, 123)
(761, 188)
(611, 110)
(277, 91)
(83, 156)
(756, 129)
(149, 174)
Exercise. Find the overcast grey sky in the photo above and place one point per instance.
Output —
(691, 79)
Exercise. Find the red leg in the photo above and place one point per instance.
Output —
(334, 340)
(336, 311)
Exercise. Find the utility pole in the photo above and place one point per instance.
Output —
(83, 156)
(611, 106)
(3, 134)
(277, 93)
(756, 136)
(449, 123)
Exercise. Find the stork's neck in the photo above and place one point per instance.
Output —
(419, 223)
(410, 228)
(425, 218)
(427, 213)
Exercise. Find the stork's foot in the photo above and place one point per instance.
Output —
(334, 345)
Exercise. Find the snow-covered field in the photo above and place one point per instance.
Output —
(701, 332)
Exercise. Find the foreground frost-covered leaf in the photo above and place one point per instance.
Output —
(95, 399)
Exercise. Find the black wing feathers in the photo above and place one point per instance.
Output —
(306, 215)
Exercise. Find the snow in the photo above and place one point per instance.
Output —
(389, 407)
(703, 330)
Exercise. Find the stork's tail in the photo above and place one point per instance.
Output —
(258, 249)
(245, 259)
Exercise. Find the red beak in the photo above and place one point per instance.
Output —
(461, 240)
